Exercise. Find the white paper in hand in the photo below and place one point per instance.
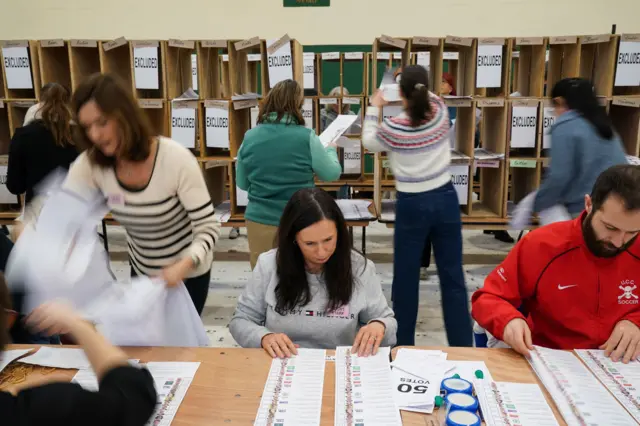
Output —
(336, 129)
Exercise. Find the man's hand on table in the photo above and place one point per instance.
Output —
(624, 342)
(518, 335)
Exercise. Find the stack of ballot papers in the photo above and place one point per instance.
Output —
(416, 377)
(355, 209)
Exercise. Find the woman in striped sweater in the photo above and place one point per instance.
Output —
(417, 142)
(153, 185)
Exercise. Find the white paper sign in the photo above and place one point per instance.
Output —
(6, 197)
(242, 197)
(217, 127)
(524, 122)
(17, 67)
(280, 63)
(307, 113)
(391, 111)
(194, 71)
(145, 67)
(450, 56)
(309, 74)
(351, 159)
(548, 119)
(628, 71)
(424, 59)
(460, 180)
(489, 71)
(337, 128)
(255, 112)
(183, 126)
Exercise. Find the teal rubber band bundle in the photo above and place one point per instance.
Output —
(461, 401)
(457, 385)
(462, 418)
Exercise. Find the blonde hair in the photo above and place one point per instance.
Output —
(286, 97)
(338, 91)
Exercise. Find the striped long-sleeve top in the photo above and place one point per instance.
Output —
(419, 156)
(171, 218)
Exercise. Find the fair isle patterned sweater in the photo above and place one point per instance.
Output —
(419, 156)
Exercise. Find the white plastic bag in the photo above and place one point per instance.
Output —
(59, 256)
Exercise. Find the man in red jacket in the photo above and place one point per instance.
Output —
(579, 281)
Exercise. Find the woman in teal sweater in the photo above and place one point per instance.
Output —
(277, 158)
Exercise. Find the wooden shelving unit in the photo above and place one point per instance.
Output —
(84, 60)
(512, 126)
(55, 64)
(115, 58)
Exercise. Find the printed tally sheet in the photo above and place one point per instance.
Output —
(579, 396)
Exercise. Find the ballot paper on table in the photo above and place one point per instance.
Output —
(336, 129)
(7, 357)
(88, 379)
(355, 209)
(66, 358)
(506, 404)
(171, 380)
(467, 369)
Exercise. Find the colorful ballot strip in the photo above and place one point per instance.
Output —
(293, 391)
(580, 397)
(364, 389)
(622, 380)
(513, 404)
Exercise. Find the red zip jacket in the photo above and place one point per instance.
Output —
(574, 299)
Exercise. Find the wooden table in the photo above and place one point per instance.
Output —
(229, 383)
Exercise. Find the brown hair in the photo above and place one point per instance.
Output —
(5, 306)
(286, 97)
(117, 103)
(55, 113)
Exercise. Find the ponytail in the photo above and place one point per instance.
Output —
(413, 85)
(579, 96)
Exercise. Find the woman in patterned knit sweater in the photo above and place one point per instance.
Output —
(417, 142)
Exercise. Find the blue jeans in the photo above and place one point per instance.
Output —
(421, 217)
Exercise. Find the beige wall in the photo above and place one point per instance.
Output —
(345, 22)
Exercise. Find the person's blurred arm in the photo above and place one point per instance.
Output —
(242, 179)
(561, 171)
(55, 318)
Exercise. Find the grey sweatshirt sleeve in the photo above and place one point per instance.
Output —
(561, 169)
(377, 308)
(247, 325)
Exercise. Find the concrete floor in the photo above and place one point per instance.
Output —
(231, 272)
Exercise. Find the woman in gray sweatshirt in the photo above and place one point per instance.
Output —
(583, 145)
(313, 291)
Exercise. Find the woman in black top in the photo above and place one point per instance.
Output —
(43, 145)
(126, 395)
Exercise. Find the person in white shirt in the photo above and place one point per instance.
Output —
(427, 208)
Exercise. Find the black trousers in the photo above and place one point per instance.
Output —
(198, 288)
